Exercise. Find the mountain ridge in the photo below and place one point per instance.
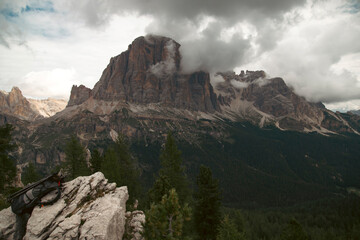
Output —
(149, 72)
(252, 130)
(15, 104)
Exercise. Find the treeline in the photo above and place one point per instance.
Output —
(336, 218)
(174, 210)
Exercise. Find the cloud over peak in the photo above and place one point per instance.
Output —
(307, 42)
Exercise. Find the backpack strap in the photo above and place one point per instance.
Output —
(52, 201)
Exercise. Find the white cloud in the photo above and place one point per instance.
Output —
(317, 53)
(85, 51)
(55, 83)
(239, 84)
(312, 44)
(167, 67)
(344, 106)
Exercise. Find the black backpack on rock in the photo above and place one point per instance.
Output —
(30, 196)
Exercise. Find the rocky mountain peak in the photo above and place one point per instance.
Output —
(16, 105)
(149, 72)
(79, 94)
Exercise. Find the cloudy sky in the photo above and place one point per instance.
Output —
(46, 46)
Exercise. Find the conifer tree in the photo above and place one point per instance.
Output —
(161, 187)
(207, 213)
(111, 167)
(7, 165)
(229, 231)
(171, 174)
(75, 160)
(30, 174)
(120, 167)
(96, 161)
(294, 231)
(165, 220)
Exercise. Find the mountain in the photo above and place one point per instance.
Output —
(47, 107)
(266, 145)
(16, 105)
(149, 72)
(357, 112)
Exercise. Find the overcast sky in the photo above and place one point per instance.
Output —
(46, 46)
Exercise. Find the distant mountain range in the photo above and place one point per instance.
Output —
(15, 104)
(267, 145)
(357, 112)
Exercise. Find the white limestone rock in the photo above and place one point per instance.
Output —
(89, 208)
(7, 224)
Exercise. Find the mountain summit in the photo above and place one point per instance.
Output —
(14, 104)
(149, 72)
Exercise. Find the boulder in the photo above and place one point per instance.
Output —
(89, 208)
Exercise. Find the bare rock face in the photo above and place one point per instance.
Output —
(7, 224)
(15, 104)
(79, 95)
(271, 98)
(47, 107)
(89, 208)
(149, 72)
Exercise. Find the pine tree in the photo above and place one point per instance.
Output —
(111, 167)
(171, 174)
(161, 187)
(207, 205)
(7, 165)
(229, 231)
(96, 161)
(294, 231)
(30, 175)
(75, 160)
(165, 220)
(120, 167)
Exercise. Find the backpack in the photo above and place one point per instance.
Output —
(30, 196)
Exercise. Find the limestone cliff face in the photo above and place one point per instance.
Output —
(79, 94)
(15, 104)
(271, 100)
(149, 72)
(89, 208)
(47, 107)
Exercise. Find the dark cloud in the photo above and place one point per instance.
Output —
(185, 9)
(299, 40)
(203, 49)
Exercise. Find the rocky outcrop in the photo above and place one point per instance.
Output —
(270, 99)
(79, 95)
(149, 72)
(89, 208)
(7, 224)
(15, 104)
(356, 112)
